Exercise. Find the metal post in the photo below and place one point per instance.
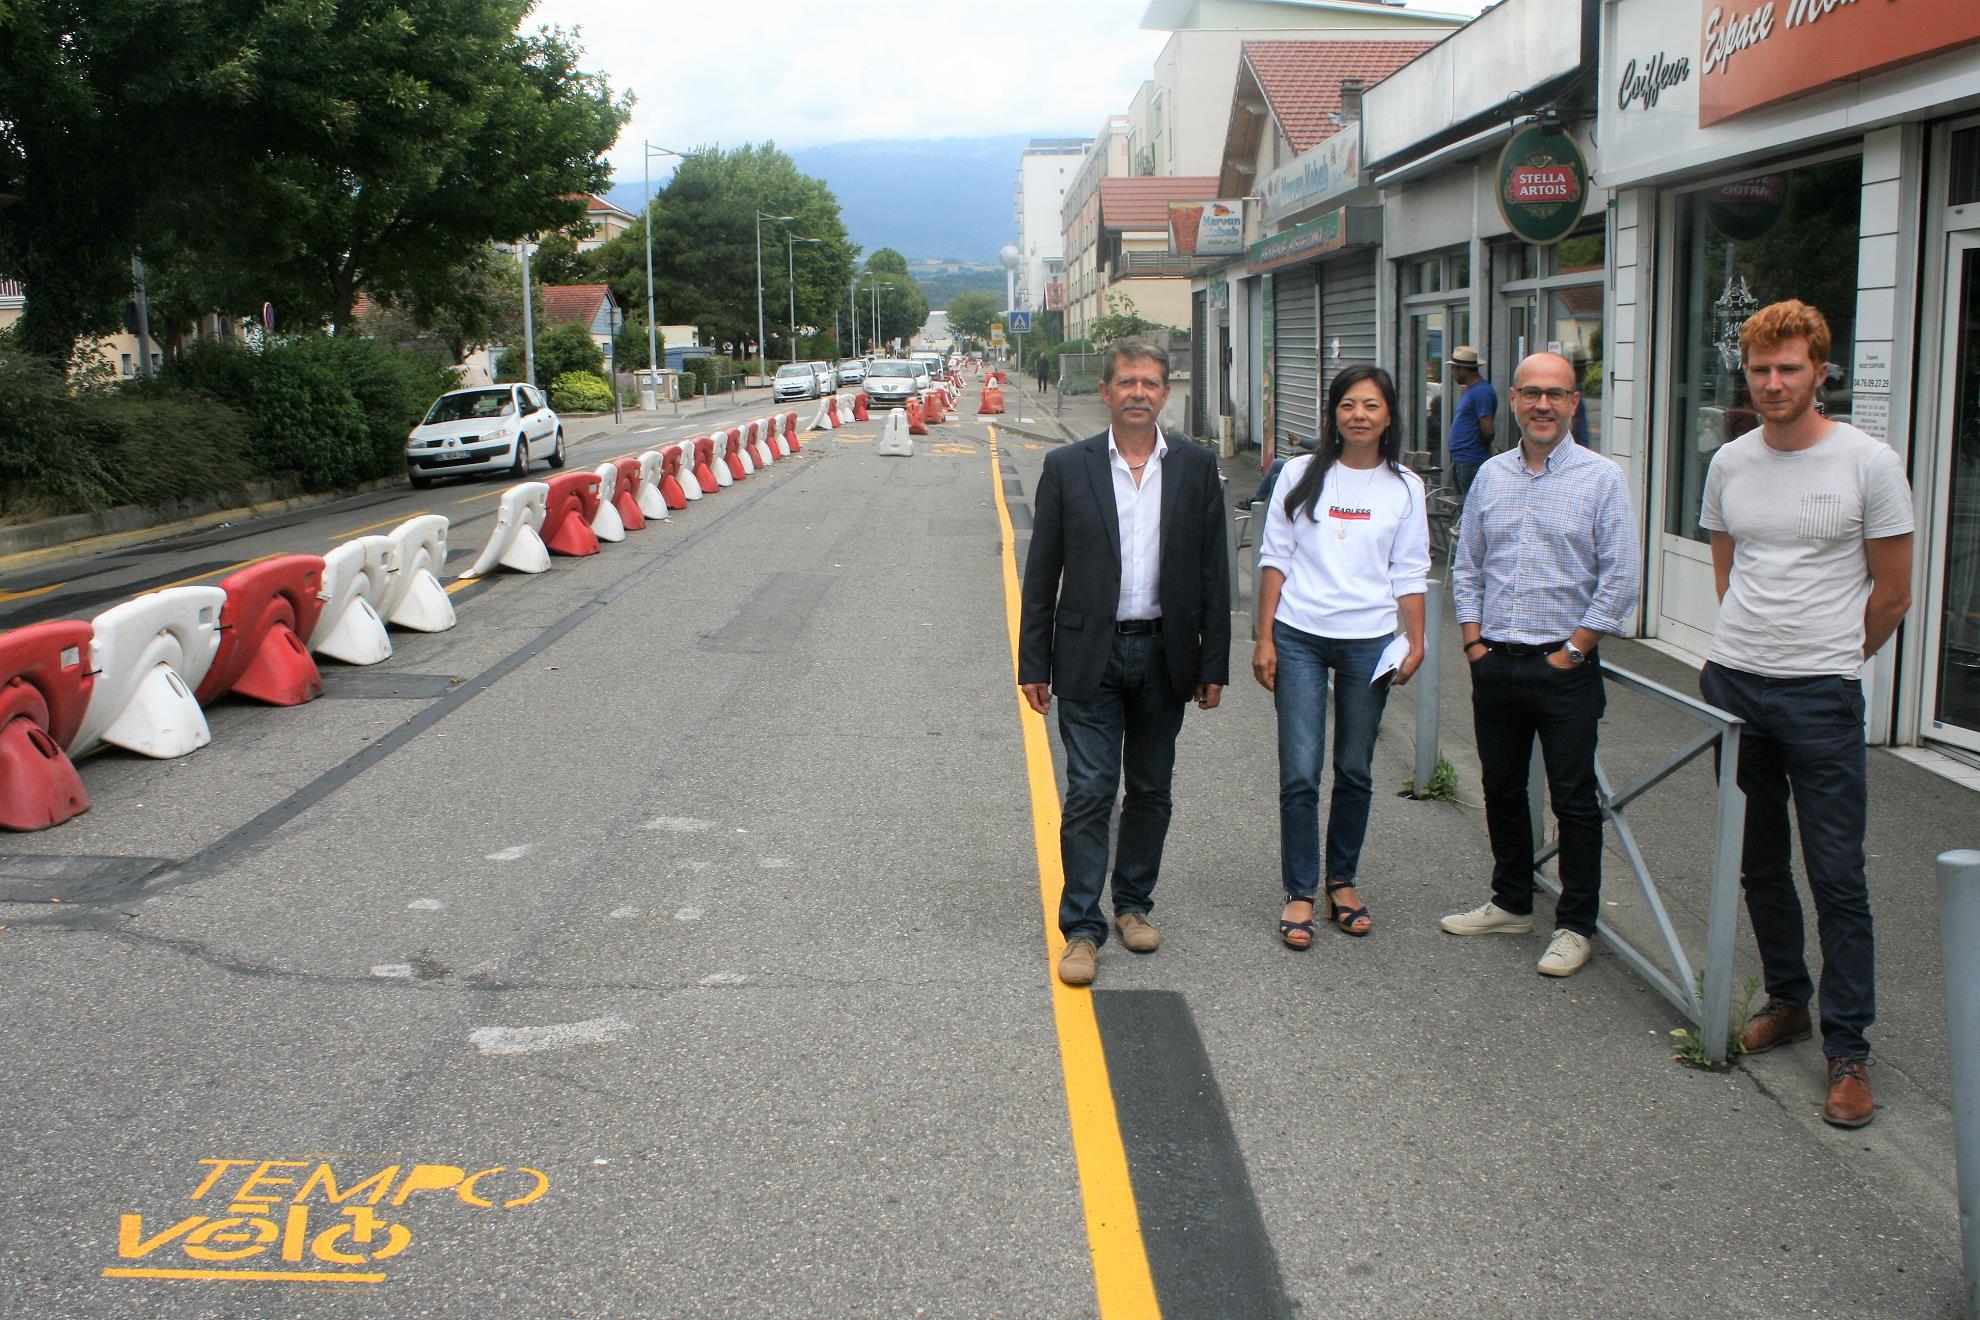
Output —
(1536, 798)
(652, 330)
(762, 376)
(1723, 916)
(790, 265)
(1959, 936)
(612, 360)
(1427, 685)
(143, 316)
(529, 321)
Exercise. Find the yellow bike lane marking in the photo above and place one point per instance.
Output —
(1122, 1281)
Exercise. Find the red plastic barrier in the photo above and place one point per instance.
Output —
(993, 400)
(861, 407)
(790, 431)
(45, 682)
(567, 514)
(916, 426)
(671, 489)
(625, 494)
(732, 453)
(703, 464)
(760, 446)
(935, 409)
(832, 410)
(271, 606)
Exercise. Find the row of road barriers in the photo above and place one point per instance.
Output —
(140, 674)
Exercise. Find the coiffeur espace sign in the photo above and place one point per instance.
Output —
(1543, 184)
(1754, 53)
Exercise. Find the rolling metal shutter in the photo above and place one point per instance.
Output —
(1347, 314)
(1199, 375)
(1295, 354)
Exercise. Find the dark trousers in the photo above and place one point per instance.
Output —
(1804, 739)
(1464, 471)
(1129, 726)
(1513, 699)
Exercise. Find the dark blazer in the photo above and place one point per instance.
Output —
(1072, 576)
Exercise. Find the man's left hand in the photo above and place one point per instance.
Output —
(1208, 695)
(1559, 659)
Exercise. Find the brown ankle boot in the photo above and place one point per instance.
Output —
(1777, 1023)
(1849, 1104)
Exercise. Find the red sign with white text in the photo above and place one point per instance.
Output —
(1755, 53)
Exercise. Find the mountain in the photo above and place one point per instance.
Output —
(942, 199)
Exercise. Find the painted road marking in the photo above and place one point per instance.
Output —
(370, 527)
(6, 596)
(200, 577)
(1122, 1281)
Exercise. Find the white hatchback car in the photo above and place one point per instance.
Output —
(486, 428)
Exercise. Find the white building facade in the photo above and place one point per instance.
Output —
(1045, 171)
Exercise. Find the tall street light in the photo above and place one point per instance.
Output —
(652, 329)
(873, 288)
(790, 260)
(852, 297)
(762, 347)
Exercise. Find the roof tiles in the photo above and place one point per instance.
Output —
(1302, 79)
(1143, 202)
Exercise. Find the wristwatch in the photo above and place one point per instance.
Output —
(1575, 654)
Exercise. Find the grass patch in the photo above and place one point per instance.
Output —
(1443, 784)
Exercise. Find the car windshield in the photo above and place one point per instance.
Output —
(469, 405)
(890, 369)
(788, 372)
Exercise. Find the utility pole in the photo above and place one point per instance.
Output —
(529, 321)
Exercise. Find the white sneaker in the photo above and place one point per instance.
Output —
(1488, 920)
(1566, 955)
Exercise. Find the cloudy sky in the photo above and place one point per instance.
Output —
(804, 73)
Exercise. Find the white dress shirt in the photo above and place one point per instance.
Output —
(1140, 511)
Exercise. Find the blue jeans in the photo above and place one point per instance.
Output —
(1300, 693)
(1804, 738)
(1464, 471)
(1130, 725)
(1270, 479)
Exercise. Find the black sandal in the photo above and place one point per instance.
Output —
(1347, 917)
(1298, 934)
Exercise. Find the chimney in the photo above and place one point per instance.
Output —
(1351, 89)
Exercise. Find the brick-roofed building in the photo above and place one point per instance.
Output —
(589, 305)
(607, 220)
(1300, 81)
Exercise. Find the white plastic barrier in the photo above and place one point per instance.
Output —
(414, 597)
(606, 524)
(720, 465)
(743, 450)
(652, 504)
(690, 484)
(823, 421)
(514, 542)
(759, 443)
(773, 435)
(894, 439)
(355, 578)
(149, 654)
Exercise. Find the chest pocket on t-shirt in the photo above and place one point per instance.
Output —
(1821, 516)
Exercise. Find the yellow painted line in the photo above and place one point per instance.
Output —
(461, 585)
(485, 495)
(252, 1276)
(1122, 1281)
(370, 527)
(273, 554)
(6, 596)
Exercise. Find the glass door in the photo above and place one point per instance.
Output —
(1955, 704)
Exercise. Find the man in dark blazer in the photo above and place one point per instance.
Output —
(1127, 616)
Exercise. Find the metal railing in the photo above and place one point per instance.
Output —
(1706, 999)
(1959, 934)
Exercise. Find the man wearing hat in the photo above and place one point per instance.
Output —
(1471, 421)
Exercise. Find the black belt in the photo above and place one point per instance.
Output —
(1137, 627)
(1523, 648)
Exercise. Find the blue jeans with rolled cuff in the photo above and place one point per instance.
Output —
(1306, 664)
(1804, 740)
(1128, 729)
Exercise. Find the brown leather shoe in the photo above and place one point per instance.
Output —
(1138, 933)
(1849, 1104)
(1777, 1023)
(1076, 964)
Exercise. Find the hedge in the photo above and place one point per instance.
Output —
(579, 392)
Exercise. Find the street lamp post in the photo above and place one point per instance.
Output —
(762, 345)
(852, 299)
(652, 329)
(790, 260)
(873, 288)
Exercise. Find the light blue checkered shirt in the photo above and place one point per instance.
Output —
(1542, 553)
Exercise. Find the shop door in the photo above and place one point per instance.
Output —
(1296, 349)
(1953, 710)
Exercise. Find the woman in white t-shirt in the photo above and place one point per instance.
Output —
(1344, 553)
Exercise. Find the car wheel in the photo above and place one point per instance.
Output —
(557, 454)
(420, 482)
(521, 467)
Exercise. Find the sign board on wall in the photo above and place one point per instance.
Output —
(1754, 53)
(1330, 170)
(1542, 184)
(1206, 228)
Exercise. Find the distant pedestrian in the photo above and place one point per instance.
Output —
(1126, 616)
(1042, 364)
(1263, 491)
(1811, 551)
(1472, 420)
(1546, 566)
(1344, 554)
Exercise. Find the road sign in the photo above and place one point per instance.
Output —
(1020, 323)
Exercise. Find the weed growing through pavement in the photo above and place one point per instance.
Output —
(1691, 1044)
(1443, 784)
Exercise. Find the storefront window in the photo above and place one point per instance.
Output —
(1740, 246)
(1425, 276)
(1461, 270)
(1965, 189)
(1581, 252)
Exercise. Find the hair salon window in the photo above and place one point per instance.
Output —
(1741, 244)
(1550, 299)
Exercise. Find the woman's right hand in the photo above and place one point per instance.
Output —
(1265, 663)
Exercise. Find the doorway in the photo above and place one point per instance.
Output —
(1952, 706)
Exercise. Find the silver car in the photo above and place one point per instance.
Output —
(797, 380)
(488, 428)
(892, 381)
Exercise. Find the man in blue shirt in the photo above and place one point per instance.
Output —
(1472, 419)
(1546, 566)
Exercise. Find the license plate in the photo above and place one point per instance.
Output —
(452, 458)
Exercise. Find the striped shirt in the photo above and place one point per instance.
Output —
(1542, 553)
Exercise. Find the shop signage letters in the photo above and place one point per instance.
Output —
(1543, 183)
(1324, 173)
(1309, 239)
(1646, 84)
(1757, 55)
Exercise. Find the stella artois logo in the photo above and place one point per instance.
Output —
(1543, 183)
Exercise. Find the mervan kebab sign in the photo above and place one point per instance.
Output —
(1543, 184)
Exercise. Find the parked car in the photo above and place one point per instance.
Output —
(797, 380)
(828, 377)
(893, 381)
(932, 362)
(487, 428)
(852, 371)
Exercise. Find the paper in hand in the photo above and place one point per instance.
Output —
(1390, 663)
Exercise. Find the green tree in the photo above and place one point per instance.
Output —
(632, 346)
(485, 308)
(1120, 321)
(903, 308)
(559, 349)
(704, 247)
(972, 314)
(557, 260)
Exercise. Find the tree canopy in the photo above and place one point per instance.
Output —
(902, 307)
(971, 314)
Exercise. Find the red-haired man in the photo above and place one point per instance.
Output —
(1811, 548)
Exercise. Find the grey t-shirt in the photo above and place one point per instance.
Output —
(1798, 519)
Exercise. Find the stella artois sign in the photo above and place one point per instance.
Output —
(1543, 184)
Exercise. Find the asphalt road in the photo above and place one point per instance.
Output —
(666, 940)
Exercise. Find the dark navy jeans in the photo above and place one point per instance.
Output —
(1300, 693)
(1804, 740)
(1128, 729)
(1513, 699)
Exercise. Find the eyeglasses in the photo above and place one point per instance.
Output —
(1533, 394)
